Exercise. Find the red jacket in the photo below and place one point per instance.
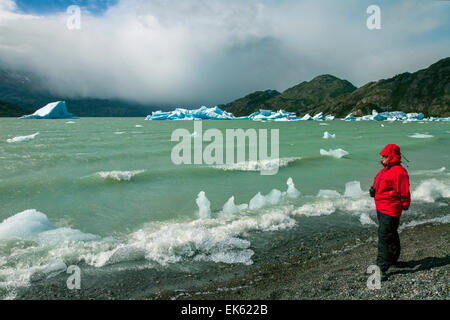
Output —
(392, 184)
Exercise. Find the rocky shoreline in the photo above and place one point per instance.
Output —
(343, 275)
(302, 272)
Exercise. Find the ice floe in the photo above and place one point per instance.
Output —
(337, 153)
(22, 138)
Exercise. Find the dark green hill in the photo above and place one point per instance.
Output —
(10, 110)
(426, 91)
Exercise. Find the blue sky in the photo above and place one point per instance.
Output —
(52, 6)
(193, 52)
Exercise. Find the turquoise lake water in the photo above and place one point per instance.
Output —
(104, 191)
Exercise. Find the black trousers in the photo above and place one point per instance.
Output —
(388, 241)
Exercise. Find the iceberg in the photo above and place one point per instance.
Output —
(318, 116)
(215, 113)
(203, 113)
(389, 116)
(350, 117)
(280, 115)
(53, 110)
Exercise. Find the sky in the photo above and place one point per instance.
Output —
(208, 52)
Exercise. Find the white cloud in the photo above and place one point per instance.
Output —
(198, 51)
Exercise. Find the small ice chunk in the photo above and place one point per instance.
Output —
(257, 202)
(327, 135)
(421, 136)
(337, 153)
(292, 192)
(230, 208)
(204, 206)
(274, 197)
(353, 189)
(22, 138)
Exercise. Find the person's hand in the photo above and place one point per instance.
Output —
(372, 191)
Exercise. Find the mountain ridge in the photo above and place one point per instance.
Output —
(426, 90)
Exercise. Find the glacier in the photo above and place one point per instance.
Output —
(53, 110)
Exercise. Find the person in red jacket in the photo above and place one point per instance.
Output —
(391, 192)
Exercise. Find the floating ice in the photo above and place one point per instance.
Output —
(318, 116)
(215, 113)
(203, 113)
(32, 224)
(337, 153)
(353, 189)
(25, 225)
(230, 208)
(204, 206)
(22, 138)
(259, 201)
(388, 116)
(292, 192)
(54, 110)
(327, 135)
(274, 197)
(280, 115)
(421, 136)
(350, 117)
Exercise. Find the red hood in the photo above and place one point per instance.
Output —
(392, 151)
